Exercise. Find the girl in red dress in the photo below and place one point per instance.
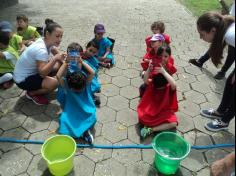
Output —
(159, 104)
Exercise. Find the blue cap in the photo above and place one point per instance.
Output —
(5, 26)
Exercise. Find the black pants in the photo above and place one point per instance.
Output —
(227, 106)
(228, 63)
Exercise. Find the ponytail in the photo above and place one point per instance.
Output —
(215, 20)
(50, 26)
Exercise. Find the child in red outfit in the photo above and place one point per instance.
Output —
(157, 28)
(157, 108)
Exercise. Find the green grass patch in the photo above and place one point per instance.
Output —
(198, 7)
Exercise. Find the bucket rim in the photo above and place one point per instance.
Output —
(56, 136)
(173, 159)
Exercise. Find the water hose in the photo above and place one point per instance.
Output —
(11, 140)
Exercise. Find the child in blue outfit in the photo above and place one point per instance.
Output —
(89, 57)
(105, 55)
(74, 94)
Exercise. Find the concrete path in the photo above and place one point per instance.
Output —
(129, 23)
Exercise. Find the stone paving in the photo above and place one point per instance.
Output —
(129, 23)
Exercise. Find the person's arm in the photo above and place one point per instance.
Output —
(61, 72)
(168, 77)
(224, 166)
(45, 68)
(91, 72)
(2, 56)
(108, 50)
(147, 74)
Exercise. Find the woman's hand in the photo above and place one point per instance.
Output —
(60, 57)
(158, 70)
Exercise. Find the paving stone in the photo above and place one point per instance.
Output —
(110, 167)
(25, 174)
(190, 137)
(38, 166)
(148, 156)
(11, 93)
(180, 96)
(182, 86)
(217, 88)
(223, 138)
(53, 110)
(193, 70)
(110, 90)
(83, 166)
(184, 172)
(122, 65)
(10, 105)
(137, 82)
(134, 134)
(97, 129)
(206, 79)
(37, 123)
(114, 72)
(201, 87)
(105, 79)
(189, 108)
(98, 155)
(141, 169)
(18, 133)
(12, 120)
(185, 122)
(127, 117)
(204, 172)
(195, 161)
(213, 98)
(41, 136)
(209, 105)
(27, 109)
(188, 78)
(200, 123)
(134, 104)
(114, 132)
(118, 103)
(103, 100)
(203, 140)
(105, 115)
(129, 92)
(131, 73)
(121, 81)
(15, 162)
(127, 157)
(195, 97)
(215, 155)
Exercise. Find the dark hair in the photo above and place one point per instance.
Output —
(93, 44)
(159, 25)
(22, 17)
(75, 46)
(215, 20)
(4, 38)
(50, 26)
(76, 80)
(164, 48)
(159, 81)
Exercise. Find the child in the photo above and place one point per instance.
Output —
(157, 108)
(89, 57)
(157, 28)
(16, 41)
(8, 59)
(105, 55)
(29, 33)
(74, 95)
(167, 61)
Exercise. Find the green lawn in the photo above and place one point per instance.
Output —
(198, 7)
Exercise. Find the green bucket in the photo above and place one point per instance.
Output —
(59, 151)
(170, 149)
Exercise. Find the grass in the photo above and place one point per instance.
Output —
(198, 7)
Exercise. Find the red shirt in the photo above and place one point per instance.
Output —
(158, 106)
(149, 43)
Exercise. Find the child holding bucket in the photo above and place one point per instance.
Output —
(158, 105)
(74, 95)
(89, 57)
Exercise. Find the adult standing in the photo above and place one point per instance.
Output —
(36, 64)
(229, 60)
(220, 31)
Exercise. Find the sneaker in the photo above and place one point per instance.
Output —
(220, 75)
(216, 125)
(7, 85)
(88, 137)
(97, 100)
(211, 114)
(37, 99)
(145, 132)
(196, 63)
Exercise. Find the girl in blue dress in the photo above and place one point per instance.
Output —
(74, 95)
(105, 55)
(89, 57)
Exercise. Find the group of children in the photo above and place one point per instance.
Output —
(78, 77)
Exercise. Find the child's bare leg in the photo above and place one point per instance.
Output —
(164, 127)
